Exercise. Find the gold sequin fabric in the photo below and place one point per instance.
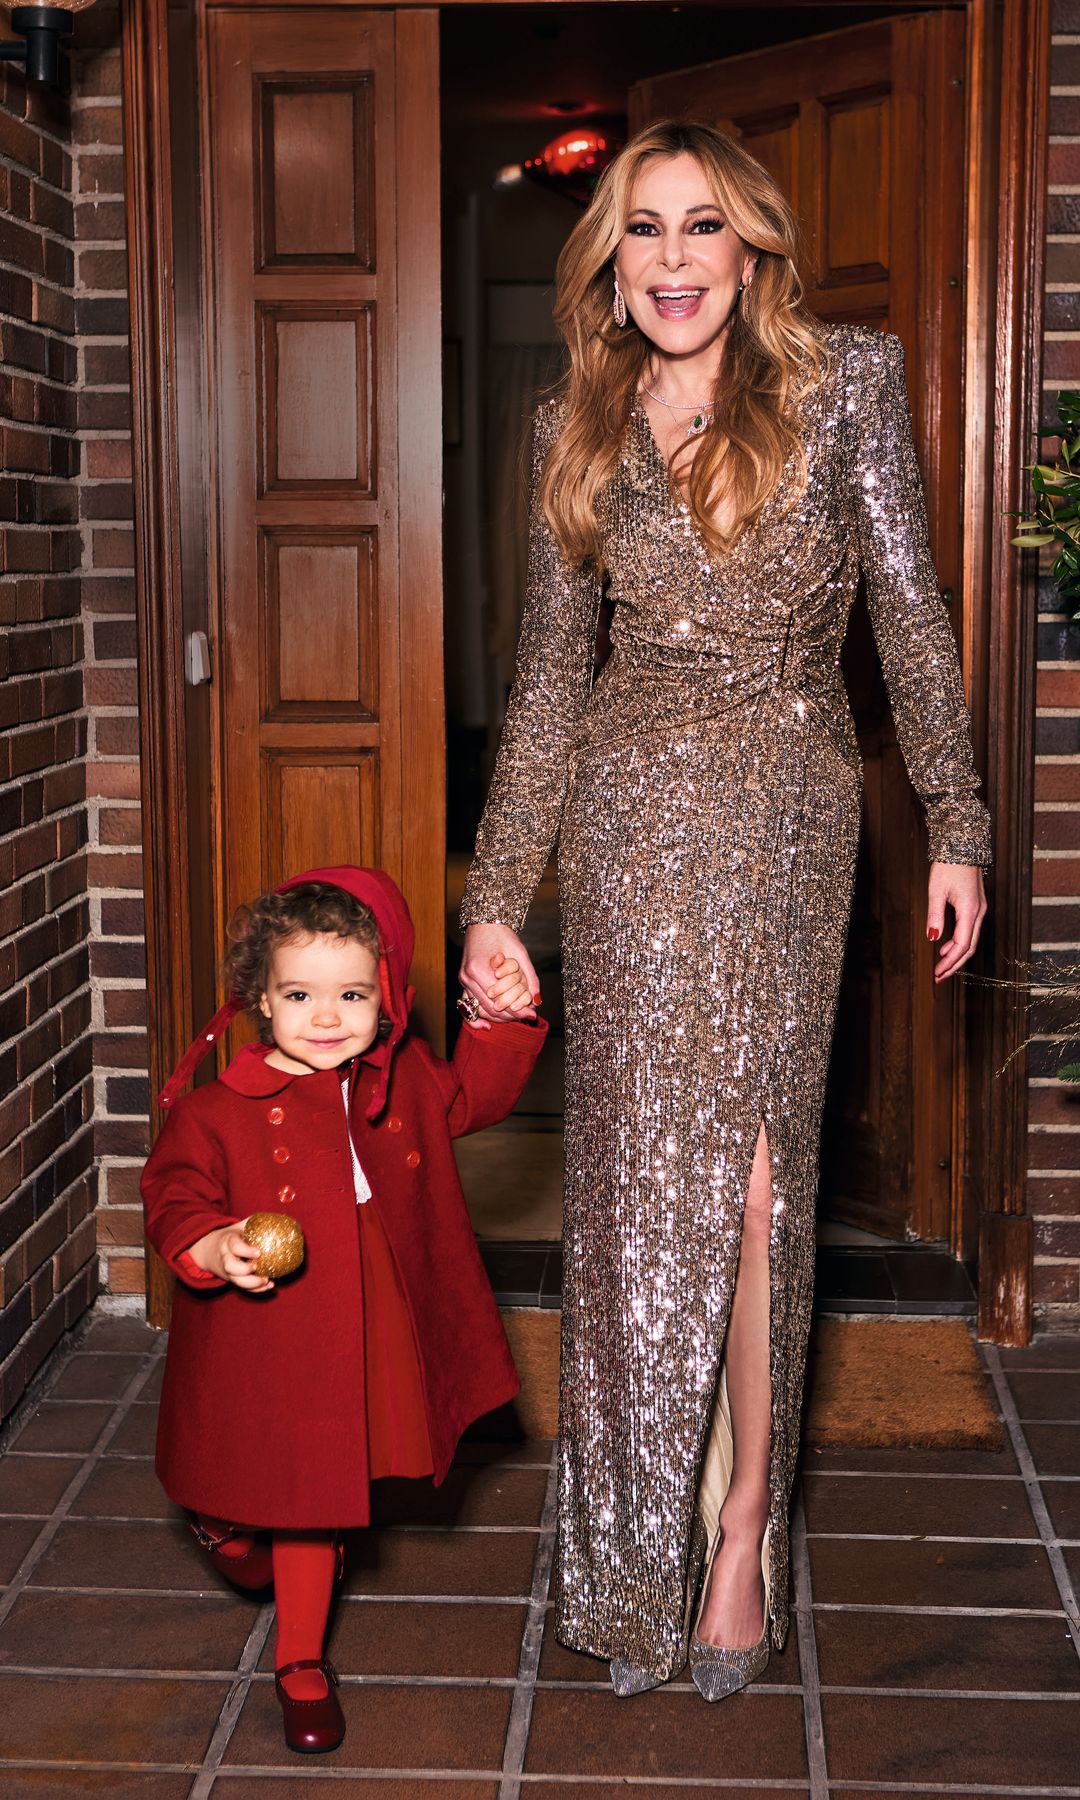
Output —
(706, 792)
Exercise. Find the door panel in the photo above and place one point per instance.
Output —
(859, 128)
(310, 404)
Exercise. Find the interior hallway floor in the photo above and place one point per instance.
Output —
(933, 1650)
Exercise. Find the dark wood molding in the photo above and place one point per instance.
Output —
(1015, 102)
(157, 549)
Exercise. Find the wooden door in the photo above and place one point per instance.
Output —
(863, 131)
(323, 181)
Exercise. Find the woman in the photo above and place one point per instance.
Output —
(730, 465)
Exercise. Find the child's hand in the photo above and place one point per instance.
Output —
(228, 1254)
(509, 992)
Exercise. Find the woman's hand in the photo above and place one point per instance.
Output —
(497, 970)
(959, 885)
(227, 1254)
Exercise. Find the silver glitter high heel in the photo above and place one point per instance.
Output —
(626, 1678)
(717, 1669)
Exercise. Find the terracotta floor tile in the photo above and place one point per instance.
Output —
(137, 1434)
(388, 1728)
(1050, 1350)
(1045, 1396)
(120, 1488)
(152, 1389)
(468, 1496)
(408, 1638)
(1055, 1449)
(1034, 1743)
(426, 1639)
(1063, 1500)
(421, 1562)
(73, 1784)
(920, 1650)
(105, 1631)
(120, 1334)
(666, 1733)
(940, 1508)
(412, 1787)
(657, 1790)
(93, 1719)
(907, 1793)
(56, 1425)
(16, 1537)
(913, 1462)
(87, 1553)
(903, 1573)
(91, 1377)
(559, 1664)
(33, 1484)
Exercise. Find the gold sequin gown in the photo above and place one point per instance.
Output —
(706, 792)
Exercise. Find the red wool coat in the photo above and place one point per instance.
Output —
(262, 1414)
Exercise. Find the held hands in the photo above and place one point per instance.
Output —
(496, 970)
(227, 1253)
(959, 885)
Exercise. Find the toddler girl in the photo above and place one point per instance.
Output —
(283, 1400)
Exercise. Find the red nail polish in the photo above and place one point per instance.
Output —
(933, 933)
(536, 999)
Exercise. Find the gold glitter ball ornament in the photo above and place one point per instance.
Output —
(280, 1240)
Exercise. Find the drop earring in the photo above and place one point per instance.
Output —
(618, 305)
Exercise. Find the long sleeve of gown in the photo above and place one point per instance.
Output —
(551, 686)
(911, 625)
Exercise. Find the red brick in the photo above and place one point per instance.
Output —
(1056, 875)
(120, 825)
(1053, 1195)
(125, 1006)
(122, 1185)
(108, 458)
(114, 685)
(119, 736)
(120, 1225)
(115, 869)
(113, 781)
(126, 1275)
(1057, 1282)
(77, 1250)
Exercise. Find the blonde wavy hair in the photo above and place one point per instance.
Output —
(774, 352)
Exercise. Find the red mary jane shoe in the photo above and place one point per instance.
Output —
(255, 1569)
(311, 1726)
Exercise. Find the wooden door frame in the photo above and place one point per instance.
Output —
(1004, 182)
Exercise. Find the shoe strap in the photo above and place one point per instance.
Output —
(322, 1663)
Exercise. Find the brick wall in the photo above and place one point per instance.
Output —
(1054, 1142)
(117, 955)
(72, 1048)
(48, 1267)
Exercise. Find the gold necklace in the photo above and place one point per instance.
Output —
(702, 410)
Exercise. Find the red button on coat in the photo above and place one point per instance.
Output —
(286, 1194)
(393, 1124)
(412, 1161)
(281, 1154)
(276, 1115)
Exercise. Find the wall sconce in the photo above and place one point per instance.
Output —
(41, 28)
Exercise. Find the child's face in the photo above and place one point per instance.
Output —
(322, 1000)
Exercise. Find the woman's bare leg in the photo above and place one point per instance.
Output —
(732, 1613)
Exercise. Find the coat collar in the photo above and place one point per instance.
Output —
(250, 1074)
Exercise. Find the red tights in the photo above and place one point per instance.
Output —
(304, 1565)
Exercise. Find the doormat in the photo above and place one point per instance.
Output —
(899, 1384)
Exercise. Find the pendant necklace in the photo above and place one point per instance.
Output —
(702, 410)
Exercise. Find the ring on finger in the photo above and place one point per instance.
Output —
(468, 1005)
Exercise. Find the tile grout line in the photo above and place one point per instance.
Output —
(1036, 1498)
(78, 1481)
(808, 1662)
(521, 1707)
(233, 1704)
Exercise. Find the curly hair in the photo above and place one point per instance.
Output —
(775, 354)
(310, 910)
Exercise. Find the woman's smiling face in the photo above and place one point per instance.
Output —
(679, 263)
